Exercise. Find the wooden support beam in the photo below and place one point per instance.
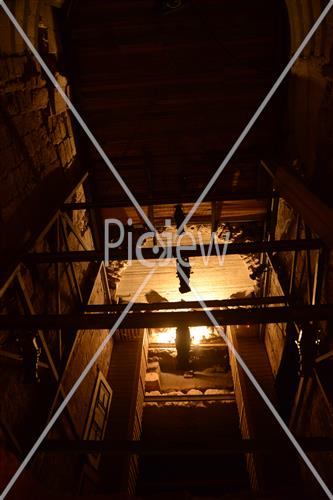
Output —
(308, 275)
(193, 304)
(295, 254)
(147, 253)
(237, 316)
(217, 344)
(227, 446)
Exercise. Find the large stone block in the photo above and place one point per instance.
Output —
(73, 146)
(59, 104)
(152, 382)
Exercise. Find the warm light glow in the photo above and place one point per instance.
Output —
(199, 334)
(168, 336)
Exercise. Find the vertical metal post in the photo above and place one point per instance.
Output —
(58, 294)
(309, 285)
(319, 275)
(268, 234)
(295, 254)
(75, 281)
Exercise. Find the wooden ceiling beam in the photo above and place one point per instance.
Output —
(227, 446)
(193, 304)
(237, 316)
(167, 199)
(147, 253)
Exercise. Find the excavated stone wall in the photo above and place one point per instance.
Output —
(37, 141)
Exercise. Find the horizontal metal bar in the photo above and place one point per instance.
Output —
(218, 343)
(165, 200)
(227, 446)
(193, 304)
(236, 316)
(147, 253)
(165, 398)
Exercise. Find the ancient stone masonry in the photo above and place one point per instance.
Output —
(36, 135)
(37, 146)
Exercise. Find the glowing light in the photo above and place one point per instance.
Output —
(167, 336)
(199, 334)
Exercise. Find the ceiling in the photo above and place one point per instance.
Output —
(167, 95)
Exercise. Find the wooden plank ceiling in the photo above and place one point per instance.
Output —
(167, 95)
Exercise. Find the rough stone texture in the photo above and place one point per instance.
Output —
(36, 139)
(36, 133)
(86, 345)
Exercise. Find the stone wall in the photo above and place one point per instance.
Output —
(36, 135)
(313, 409)
(37, 157)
